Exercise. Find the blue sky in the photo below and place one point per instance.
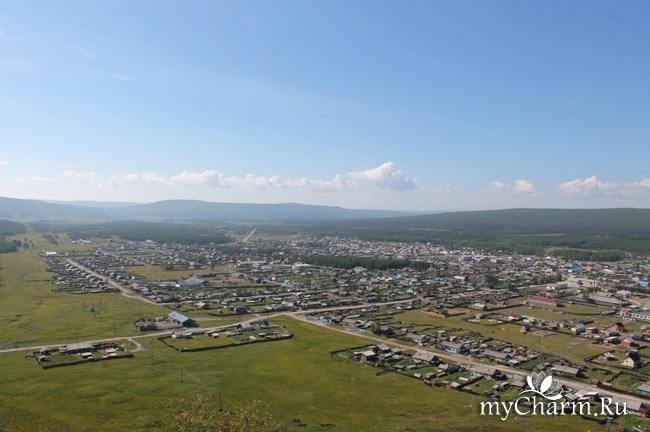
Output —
(419, 105)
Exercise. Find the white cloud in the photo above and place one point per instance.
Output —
(385, 176)
(520, 187)
(3, 162)
(593, 187)
(131, 178)
(33, 179)
(80, 175)
(196, 179)
(446, 188)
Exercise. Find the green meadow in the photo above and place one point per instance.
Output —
(308, 388)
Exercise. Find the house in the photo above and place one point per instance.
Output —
(383, 347)
(518, 383)
(619, 327)
(487, 371)
(425, 357)
(417, 338)
(77, 348)
(633, 360)
(578, 328)
(181, 335)
(368, 356)
(202, 305)
(447, 368)
(386, 330)
(245, 327)
(629, 342)
(643, 389)
(182, 320)
(240, 310)
(633, 406)
(497, 356)
(607, 356)
(567, 371)
(145, 324)
(452, 347)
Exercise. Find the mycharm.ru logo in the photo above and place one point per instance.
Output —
(545, 400)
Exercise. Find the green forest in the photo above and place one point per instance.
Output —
(610, 233)
(10, 228)
(139, 231)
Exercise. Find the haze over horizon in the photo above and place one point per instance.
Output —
(424, 106)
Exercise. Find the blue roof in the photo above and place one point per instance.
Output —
(642, 283)
(178, 317)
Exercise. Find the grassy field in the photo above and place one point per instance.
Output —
(298, 377)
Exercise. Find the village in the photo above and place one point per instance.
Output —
(462, 319)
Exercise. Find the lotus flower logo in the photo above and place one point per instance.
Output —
(544, 386)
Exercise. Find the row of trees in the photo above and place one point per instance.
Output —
(350, 262)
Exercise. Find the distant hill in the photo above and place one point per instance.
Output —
(178, 210)
(524, 220)
(209, 211)
(527, 231)
(94, 204)
(19, 209)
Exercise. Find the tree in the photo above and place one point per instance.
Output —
(203, 413)
(491, 280)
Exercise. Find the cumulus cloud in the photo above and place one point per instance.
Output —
(385, 176)
(196, 179)
(593, 187)
(520, 187)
